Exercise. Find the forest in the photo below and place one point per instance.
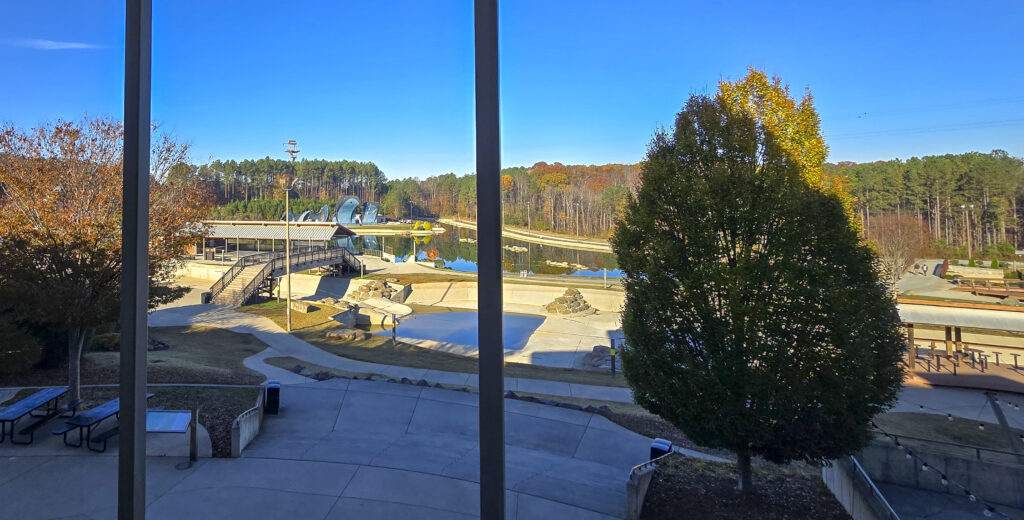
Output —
(950, 194)
(318, 179)
(979, 193)
(571, 199)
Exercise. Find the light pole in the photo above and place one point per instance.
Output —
(292, 151)
(527, 215)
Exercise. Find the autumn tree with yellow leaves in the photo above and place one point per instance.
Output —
(794, 124)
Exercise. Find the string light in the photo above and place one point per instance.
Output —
(989, 511)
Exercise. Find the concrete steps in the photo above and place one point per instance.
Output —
(232, 294)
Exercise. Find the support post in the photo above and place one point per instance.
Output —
(613, 358)
(488, 188)
(131, 461)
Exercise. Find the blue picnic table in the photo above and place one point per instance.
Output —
(88, 420)
(46, 399)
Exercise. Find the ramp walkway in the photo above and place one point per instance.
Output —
(254, 274)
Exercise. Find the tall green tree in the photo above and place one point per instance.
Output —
(755, 319)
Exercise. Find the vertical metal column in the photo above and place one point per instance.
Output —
(131, 469)
(488, 173)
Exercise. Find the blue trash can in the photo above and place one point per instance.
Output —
(273, 399)
(660, 447)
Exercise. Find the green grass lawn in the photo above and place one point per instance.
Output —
(312, 327)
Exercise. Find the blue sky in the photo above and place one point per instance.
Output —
(582, 81)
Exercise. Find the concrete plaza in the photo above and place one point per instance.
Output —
(356, 449)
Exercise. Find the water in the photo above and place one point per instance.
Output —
(460, 327)
(455, 249)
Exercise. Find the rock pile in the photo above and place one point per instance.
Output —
(600, 357)
(155, 344)
(333, 302)
(348, 334)
(571, 302)
(374, 289)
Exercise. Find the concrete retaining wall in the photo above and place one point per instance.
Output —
(455, 293)
(211, 272)
(994, 482)
(855, 491)
(975, 272)
(636, 488)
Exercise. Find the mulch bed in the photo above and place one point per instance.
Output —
(684, 487)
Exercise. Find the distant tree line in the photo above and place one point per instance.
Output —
(318, 179)
(549, 197)
(940, 191)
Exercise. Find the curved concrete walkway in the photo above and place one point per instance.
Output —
(283, 344)
(357, 449)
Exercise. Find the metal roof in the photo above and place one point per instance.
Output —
(274, 229)
(959, 317)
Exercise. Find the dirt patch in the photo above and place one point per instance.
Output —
(198, 355)
(684, 487)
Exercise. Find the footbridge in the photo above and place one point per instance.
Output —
(256, 274)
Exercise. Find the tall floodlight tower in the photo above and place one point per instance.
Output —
(292, 150)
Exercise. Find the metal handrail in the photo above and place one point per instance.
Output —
(874, 489)
(252, 287)
(247, 261)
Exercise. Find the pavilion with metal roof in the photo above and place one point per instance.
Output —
(241, 236)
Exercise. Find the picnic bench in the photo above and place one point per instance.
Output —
(88, 420)
(46, 400)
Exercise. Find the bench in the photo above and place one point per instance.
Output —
(30, 430)
(47, 399)
(88, 420)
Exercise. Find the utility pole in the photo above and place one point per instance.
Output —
(527, 215)
(292, 151)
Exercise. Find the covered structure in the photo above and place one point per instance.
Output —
(235, 238)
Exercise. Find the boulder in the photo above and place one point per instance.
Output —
(346, 334)
(303, 306)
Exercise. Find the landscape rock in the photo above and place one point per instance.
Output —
(303, 306)
(346, 334)
(155, 345)
(570, 302)
(374, 289)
